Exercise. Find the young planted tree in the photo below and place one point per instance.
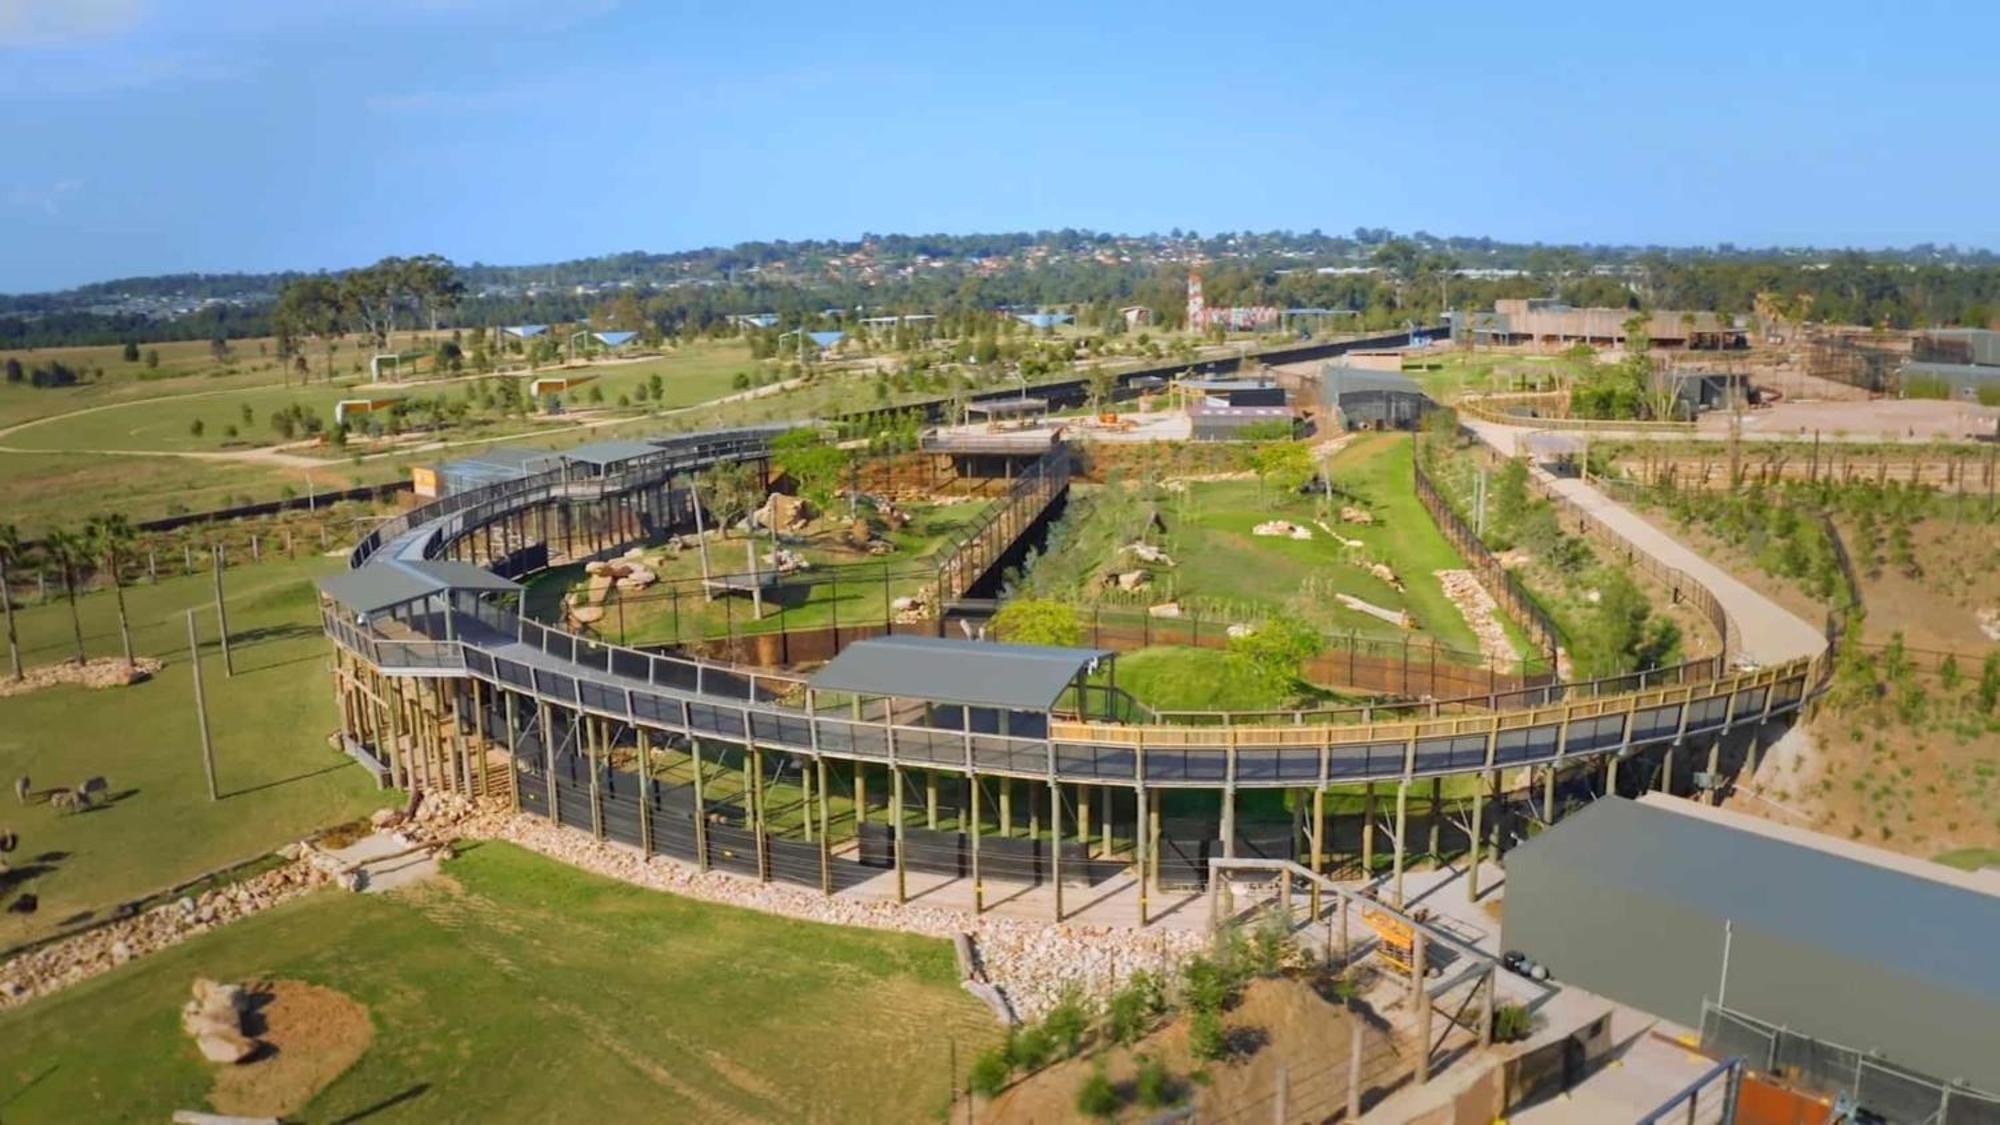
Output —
(10, 553)
(110, 537)
(67, 550)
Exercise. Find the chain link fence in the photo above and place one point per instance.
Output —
(1896, 1093)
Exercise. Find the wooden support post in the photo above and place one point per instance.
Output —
(596, 748)
(1437, 820)
(401, 771)
(645, 773)
(806, 800)
(1423, 995)
(1665, 782)
(1055, 844)
(549, 761)
(1318, 841)
(1368, 830)
(825, 845)
(931, 800)
(1229, 820)
(1142, 846)
(1006, 807)
(1611, 774)
(1360, 1027)
(978, 881)
(200, 707)
(1715, 771)
(1472, 855)
(1105, 796)
(222, 614)
(1082, 815)
(757, 811)
(896, 818)
(1549, 794)
(462, 759)
(513, 751)
(1490, 982)
(700, 808)
(1402, 819)
(860, 798)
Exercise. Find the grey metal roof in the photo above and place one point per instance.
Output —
(1957, 373)
(1339, 380)
(389, 583)
(1909, 920)
(1000, 406)
(611, 451)
(950, 670)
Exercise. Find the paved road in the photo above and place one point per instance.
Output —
(1767, 632)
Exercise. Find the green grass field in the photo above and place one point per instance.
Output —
(1969, 859)
(519, 989)
(1221, 564)
(279, 778)
(659, 614)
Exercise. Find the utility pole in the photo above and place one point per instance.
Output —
(201, 707)
(222, 615)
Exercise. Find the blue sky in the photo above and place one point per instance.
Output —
(148, 136)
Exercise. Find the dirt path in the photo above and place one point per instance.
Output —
(276, 455)
(1767, 632)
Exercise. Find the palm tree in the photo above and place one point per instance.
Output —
(109, 537)
(10, 552)
(67, 549)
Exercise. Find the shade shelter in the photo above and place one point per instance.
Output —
(600, 457)
(409, 600)
(979, 686)
(998, 410)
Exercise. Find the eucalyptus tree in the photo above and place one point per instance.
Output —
(68, 551)
(110, 537)
(10, 553)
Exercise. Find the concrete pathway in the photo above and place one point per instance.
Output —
(1766, 632)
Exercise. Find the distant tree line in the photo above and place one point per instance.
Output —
(1089, 274)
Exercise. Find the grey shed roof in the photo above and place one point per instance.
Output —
(1339, 380)
(611, 451)
(1912, 920)
(950, 670)
(389, 583)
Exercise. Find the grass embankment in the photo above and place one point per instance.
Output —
(520, 989)
(845, 583)
(278, 776)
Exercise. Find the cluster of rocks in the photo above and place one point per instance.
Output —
(784, 560)
(103, 672)
(1030, 962)
(57, 965)
(1282, 529)
(214, 1020)
(1147, 553)
(783, 513)
(1351, 514)
(1481, 612)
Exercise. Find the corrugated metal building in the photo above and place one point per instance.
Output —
(1666, 905)
(1960, 380)
(1369, 399)
(1980, 346)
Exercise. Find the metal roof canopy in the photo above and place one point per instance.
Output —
(390, 583)
(950, 670)
(1339, 379)
(1837, 909)
(611, 451)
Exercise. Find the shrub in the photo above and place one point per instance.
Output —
(1097, 1097)
(990, 1072)
(1133, 1008)
(1038, 621)
(1205, 986)
(1069, 1021)
(1207, 1039)
(1511, 1023)
(1031, 1048)
(1153, 1084)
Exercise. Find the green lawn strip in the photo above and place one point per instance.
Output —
(530, 991)
(280, 779)
(1969, 859)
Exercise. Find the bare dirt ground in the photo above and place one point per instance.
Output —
(1279, 1024)
(1884, 420)
(311, 1035)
